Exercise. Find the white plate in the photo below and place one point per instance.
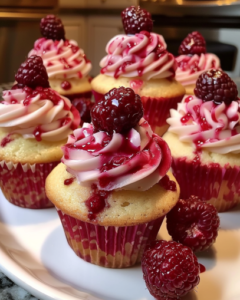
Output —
(34, 253)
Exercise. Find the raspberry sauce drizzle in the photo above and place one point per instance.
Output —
(7, 139)
(96, 202)
(168, 184)
(69, 181)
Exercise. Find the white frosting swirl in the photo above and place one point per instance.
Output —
(208, 126)
(62, 59)
(134, 161)
(191, 67)
(140, 55)
(26, 114)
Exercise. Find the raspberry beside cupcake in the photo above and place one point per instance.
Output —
(67, 66)
(193, 61)
(34, 123)
(139, 60)
(109, 191)
(204, 138)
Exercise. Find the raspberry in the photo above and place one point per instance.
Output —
(193, 223)
(170, 270)
(136, 19)
(52, 28)
(32, 73)
(83, 106)
(216, 85)
(194, 43)
(119, 111)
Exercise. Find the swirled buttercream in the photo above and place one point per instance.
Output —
(133, 161)
(42, 114)
(191, 67)
(141, 55)
(62, 59)
(207, 126)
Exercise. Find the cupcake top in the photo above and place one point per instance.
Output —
(35, 111)
(119, 151)
(193, 59)
(210, 119)
(62, 58)
(139, 52)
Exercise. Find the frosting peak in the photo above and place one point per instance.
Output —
(62, 59)
(133, 161)
(206, 125)
(140, 55)
(41, 113)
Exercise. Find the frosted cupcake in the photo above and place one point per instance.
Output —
(204, 138)
(35, 122)
(67, 66)
(112, 190)
(139, 59)
(193, 61)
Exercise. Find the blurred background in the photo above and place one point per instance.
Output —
(92, 23)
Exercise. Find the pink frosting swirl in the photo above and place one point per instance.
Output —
(62, 59)
(133, 161)
(42, 114)
(191, 67)
(214, 128)
(140, 55)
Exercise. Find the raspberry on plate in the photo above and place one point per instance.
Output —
(32, 73)
(170, 270)
(216, 85)
(52, 28)
(194, 43)
(119, 110)
(194, 223)
(83, 106)
(136, 19)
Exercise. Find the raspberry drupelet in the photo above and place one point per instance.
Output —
(51, 27)
(170, 270)
(32, 73)
(216, 85)
(194, 223)
(194, 43)
(119, 110)
(136, 19)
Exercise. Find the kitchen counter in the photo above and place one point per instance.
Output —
(11, 291)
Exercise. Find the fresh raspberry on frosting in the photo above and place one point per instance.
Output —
(193, 223)
(32, 73)
(136, 19)
(52, 28)
(170, 270)
(194, 43)
(118, 111)
(216, 85)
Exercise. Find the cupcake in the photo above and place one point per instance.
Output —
(67, 66)
(204, 138)
(112, 189)
(35, 122)
(139, 59)
(193, 61)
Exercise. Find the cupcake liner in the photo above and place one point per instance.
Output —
(156, 111)
(24, 185)
(97, 96)
(217, 185)
(108, 246)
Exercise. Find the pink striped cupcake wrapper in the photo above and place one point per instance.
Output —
(24, 184)
(109, 246)
(218, 185)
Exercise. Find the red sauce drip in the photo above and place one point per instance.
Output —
(7, 139)
(96, 202)
(189, 98)
(86, 59)
(168, 184)
(49, 64)
(186, 118)
(66, 85)
(38, 133)
(202, 269)
(68, 181)
(79, 74)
